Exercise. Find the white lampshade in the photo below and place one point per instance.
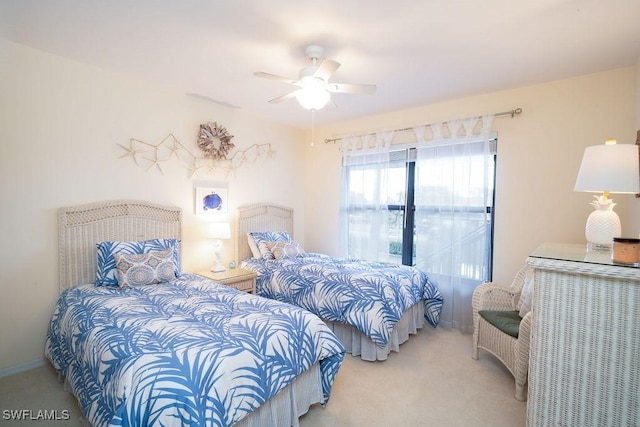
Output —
(312, 98)
(219, 230)
(608, 168)
(613, 168)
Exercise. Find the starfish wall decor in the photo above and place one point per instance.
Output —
(149, 156)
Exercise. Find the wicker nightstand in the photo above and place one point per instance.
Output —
(239, 278)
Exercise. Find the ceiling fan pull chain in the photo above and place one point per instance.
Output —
(313, 121)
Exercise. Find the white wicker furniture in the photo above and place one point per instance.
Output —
(81, 227)
(238, 278)
(512, 352)
(585, 348)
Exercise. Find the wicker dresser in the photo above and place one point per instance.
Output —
(585, 340)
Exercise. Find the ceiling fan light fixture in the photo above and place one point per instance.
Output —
(312, 98)
(314, 87)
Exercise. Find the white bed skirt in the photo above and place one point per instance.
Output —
(286, 407)
(358, 344)
(283, 409)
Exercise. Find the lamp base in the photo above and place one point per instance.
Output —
(603, 224)
(218, 268)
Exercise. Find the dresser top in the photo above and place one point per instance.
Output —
(572, 252)
(575, 257)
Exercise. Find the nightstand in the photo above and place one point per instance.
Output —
(239, 278)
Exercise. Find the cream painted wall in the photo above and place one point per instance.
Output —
(60, 123)
(539, 154)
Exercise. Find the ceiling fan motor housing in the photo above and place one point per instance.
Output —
(314, 52)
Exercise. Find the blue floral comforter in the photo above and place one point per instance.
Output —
(186, 352)
(370, 296)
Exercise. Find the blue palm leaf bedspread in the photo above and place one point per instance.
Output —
(186, 352)
(370, 296)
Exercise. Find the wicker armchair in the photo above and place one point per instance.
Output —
(512, 352)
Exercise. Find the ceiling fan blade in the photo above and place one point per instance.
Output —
(284, 97)
(350, 88)
(326, 69)
(278, 78)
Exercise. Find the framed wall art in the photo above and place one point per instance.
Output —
(211, 200)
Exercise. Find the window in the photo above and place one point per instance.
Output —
(454, 196)
(447, 205)
(430, 205)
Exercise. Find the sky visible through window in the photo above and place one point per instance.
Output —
(434, 182)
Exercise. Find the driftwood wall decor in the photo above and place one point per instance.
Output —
(214, 141)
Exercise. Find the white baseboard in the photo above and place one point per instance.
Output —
(16, 369)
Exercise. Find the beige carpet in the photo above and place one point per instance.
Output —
(432, 381)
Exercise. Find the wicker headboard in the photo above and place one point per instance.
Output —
(260, 217)
(81, 227)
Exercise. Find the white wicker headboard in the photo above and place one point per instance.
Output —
(260, 217)
(81, 227)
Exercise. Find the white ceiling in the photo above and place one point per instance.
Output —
(416, 52)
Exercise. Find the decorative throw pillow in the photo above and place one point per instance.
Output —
(286, 249)
(261, 239)
(106, 273)
(526, 296)
(253, 246)
(144, 269)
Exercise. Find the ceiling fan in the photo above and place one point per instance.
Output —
(314, 87)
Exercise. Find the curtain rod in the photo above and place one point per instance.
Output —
(511, 113)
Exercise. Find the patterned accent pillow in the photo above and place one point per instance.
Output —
(286, 249)
(254, 247)
(144, 269)
(261, 239)
(106, 273)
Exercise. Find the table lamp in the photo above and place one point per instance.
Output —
(607, 168)
(219, 230)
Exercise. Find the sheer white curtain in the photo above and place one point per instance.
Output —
(454, 199)
(363, 208)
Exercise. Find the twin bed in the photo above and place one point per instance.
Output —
(182, 351)
(372, 307)
(186, 350)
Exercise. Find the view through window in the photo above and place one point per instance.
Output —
(417, 204)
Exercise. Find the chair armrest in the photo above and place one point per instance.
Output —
(524, 339)
(524, 332)
(494, 296)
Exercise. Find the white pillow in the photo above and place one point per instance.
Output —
(261, 239)
(526, 296)
(253, 246)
